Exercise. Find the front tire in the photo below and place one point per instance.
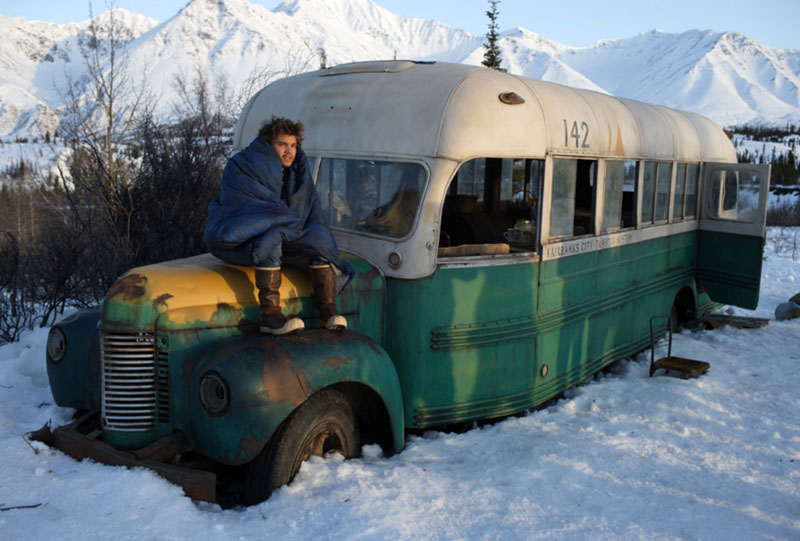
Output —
(323, 423)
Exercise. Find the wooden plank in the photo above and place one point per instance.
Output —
(742, 322)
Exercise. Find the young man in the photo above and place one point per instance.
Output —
(267, 211)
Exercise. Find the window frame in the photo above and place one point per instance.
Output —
(316, 167)
(547, 195)
(601, 202)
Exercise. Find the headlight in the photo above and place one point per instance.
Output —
(56, 345)
(214, 393)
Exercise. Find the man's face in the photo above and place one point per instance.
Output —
(286, 147)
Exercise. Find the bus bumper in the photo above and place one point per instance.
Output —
(80, 439)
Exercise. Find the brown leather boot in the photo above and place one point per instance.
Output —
(268, 281)
(323, 278)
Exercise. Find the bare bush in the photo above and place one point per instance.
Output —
(784, 215)
(16, 310)
(179, 175)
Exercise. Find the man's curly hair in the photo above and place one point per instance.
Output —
(277, 126)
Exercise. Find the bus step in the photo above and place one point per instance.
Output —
(688, 367)
(718, 320)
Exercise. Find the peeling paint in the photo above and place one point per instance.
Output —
(370, 274)
(226, 315)
(280, 380)
(130, 287)
(250, 446)
(336, 362)
(161, 302)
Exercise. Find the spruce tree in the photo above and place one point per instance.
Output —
(492, 58)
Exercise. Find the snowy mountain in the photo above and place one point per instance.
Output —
(727, 76)
(36, 58)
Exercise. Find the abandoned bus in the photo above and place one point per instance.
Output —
(511, 237)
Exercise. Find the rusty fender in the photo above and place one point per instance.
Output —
(267, 377)
(75, 379)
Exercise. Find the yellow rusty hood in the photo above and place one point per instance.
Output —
(195, 290)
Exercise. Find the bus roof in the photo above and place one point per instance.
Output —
(456, 111)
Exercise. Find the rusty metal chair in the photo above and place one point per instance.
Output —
(688, 367)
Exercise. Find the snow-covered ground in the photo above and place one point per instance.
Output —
(623, 456)
(767, 149)
(43, 157)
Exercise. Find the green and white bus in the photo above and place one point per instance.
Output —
(511, 237)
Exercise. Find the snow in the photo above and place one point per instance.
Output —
(622, 456)
(44, 158)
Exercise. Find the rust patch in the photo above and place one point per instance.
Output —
(161, 301)
(620, 150)
(281, 382)
(302, 379)
(373, 272)
(319, 336)
(336, 362)
(130, 287)
(293, 306)
(249, 447)
(226, 314)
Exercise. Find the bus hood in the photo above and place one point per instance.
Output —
(205, 292)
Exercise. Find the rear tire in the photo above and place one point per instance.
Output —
(323, 423)
(674, 320)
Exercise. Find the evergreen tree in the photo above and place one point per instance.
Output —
(492, 58)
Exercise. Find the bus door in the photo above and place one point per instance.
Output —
(733, 215)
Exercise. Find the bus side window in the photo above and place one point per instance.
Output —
(655, 192)
(648, 191)
(692, 173)
(662, 191)
(680, 191)
(470, 178)
(571, 209)
(487, 200)
(619, 197)
(534, 180)
(629, 194)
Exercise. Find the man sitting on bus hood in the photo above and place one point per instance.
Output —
(267, 208)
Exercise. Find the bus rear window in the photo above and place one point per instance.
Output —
(734, 195)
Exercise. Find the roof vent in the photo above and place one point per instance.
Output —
(377, 66)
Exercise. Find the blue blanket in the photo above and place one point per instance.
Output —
(250, 218)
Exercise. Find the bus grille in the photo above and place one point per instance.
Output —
(129, 381)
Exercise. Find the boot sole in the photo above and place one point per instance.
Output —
(336, 323)
(292, 325)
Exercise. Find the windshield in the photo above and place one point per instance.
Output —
(379, 197)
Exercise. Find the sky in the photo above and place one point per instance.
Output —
(573, 22)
